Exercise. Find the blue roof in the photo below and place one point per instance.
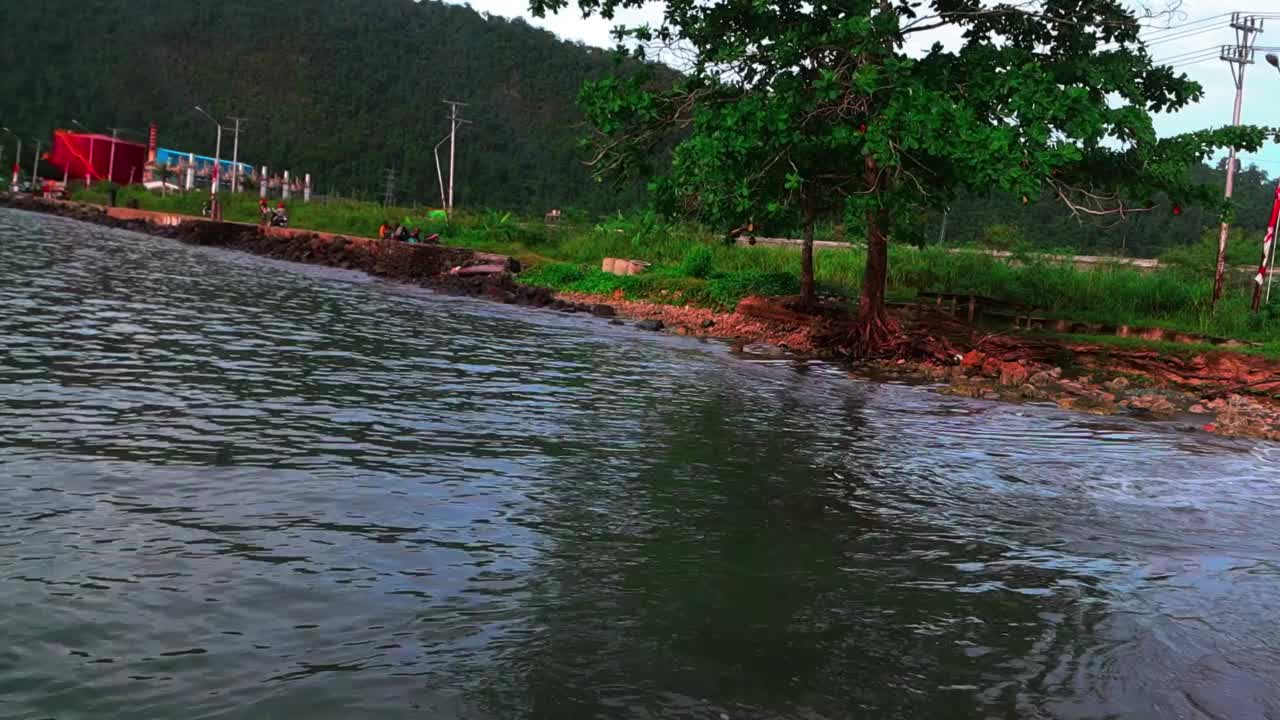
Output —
(166, 156)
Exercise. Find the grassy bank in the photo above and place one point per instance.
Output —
(691, 265)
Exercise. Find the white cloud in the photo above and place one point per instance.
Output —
(1262, 82)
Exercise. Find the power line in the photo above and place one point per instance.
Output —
(1183, 26)
(1215, 51)
(1183, 36)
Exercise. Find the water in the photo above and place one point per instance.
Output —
(234, 488)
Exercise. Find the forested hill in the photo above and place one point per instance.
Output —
(339, 88)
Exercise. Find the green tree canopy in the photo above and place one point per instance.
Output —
(793, 106)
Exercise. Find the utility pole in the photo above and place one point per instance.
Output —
(1236, 56)
(235, 155)
(35, 167)
(389, 198)
(454, 121)
(217, 153)
(111, 164)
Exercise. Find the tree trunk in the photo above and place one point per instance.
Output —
(874, 329)
(1221, 268)
(808, 291)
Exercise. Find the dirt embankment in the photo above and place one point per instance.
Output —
(1235, 394)
(1231, 393)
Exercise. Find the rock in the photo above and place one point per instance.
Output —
(616, 321)
(1154, 404)
(1120, 384)
(1031, 392)
(1199, 409)
(991, 367)
(973, 359)
(1042, 379)
(1091, 405)
(650, 325)
(682, 330)
(708, 324)
(1013, 374)
(604, 311)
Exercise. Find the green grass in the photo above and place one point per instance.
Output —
(692, 265)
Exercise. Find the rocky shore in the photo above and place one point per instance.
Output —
(1225, 393)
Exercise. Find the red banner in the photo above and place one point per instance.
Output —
(1270, 240)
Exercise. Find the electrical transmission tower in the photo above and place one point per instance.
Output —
(1237, 57)
(389, 198)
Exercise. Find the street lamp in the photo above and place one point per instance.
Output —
(217, 154)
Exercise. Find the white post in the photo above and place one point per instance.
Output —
(263, 179)
(191, 171)
(111, 165)
(17, 160)
(286, 190)
(235, 159)
(306, 189)
(35, 169)
(453, 153)
(217, 162)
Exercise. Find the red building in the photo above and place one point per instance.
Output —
(81, 155)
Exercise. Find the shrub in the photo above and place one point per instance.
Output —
(698, 262)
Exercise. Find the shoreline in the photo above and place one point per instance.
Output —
(1229, 394)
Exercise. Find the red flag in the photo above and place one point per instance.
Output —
(1270, 239)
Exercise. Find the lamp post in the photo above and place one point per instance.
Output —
(217, 153)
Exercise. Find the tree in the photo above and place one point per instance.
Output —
(795, 106)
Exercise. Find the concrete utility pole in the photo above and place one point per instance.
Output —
(444, 202)
(35, 168)
(235, 155)
(286, 192)
(389, 197)
(263, 178)
(217, 153)
(1236, 56)
(454, 122)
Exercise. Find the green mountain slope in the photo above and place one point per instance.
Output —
(339, 88)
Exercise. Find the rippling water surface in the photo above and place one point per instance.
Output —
(238, 489)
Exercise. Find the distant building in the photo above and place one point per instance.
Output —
(81, 155)
(177, 160)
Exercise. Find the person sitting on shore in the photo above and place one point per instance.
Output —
(384, 230)
(415, 237)
(280, 217)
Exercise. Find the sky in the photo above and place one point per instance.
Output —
(1197, 26)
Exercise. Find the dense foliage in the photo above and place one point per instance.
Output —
(790, 106)
(338, 88)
